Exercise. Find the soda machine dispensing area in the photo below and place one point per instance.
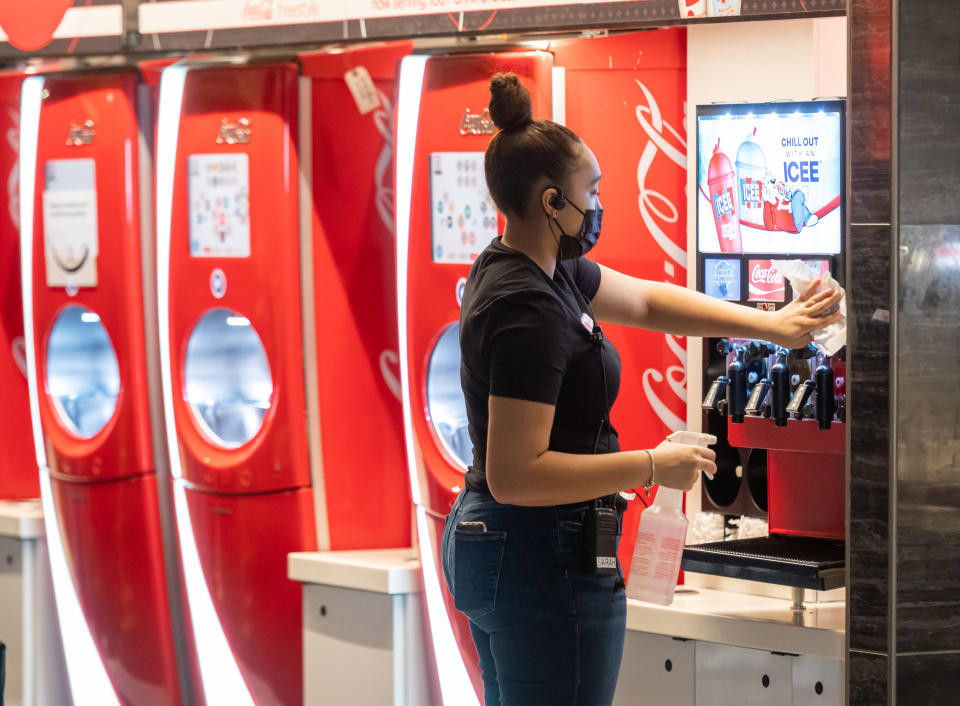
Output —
(445, 403)
(769, 222)
(83, 378)
(227, 378)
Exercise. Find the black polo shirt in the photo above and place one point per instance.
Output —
(523, 335)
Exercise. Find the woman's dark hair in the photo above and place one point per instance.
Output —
(525, 150)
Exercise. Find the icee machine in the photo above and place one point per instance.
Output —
(769, 190)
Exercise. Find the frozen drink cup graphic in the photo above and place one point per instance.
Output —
(693, 8)
(751, 169)
(724, 8)
(722, 183)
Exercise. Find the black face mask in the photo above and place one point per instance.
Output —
(572, 246)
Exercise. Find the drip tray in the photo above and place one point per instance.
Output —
(801, 562)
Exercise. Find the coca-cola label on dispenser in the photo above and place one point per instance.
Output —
(765, 283)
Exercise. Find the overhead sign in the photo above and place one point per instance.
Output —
(169, 23)
(185, 15)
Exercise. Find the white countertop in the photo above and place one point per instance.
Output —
(724, 617)
(380, 570)
(21, 518)
(745, 620)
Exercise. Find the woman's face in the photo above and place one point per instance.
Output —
(583, 191)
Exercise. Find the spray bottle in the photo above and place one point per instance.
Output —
(660, 538)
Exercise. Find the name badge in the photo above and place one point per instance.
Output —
(587, 322)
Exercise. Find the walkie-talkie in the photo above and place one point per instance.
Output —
(600, 541)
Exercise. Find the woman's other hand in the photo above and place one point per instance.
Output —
(794, 324)
(678, 465)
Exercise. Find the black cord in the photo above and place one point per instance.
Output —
(596, 335)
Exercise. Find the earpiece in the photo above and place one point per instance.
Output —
(557, 200)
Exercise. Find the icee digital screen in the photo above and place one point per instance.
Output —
(770, 178)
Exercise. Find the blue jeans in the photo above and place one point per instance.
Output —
(547, 634)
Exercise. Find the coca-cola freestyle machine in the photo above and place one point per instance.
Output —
(445, 218)
(769, 190)
(228, 286)
(83, 162)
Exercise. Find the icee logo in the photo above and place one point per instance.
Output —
(723, 203)
(750, 192)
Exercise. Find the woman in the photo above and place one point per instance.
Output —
(539, 378)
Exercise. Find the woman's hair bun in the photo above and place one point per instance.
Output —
(510, 106)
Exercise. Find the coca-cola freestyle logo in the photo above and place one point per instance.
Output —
(477, 123)
(658, 213)
(766, 281)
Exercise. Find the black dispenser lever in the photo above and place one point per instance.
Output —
(737, 388)
(799, 399)
(715, 399)
(825, 406)
(780, 390)
(758, 397)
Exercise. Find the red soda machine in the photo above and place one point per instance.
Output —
(249, 351)
(770, 202)
(361, 492)
(444, 219)
(84, 163)
(18, 476)
(231, 349)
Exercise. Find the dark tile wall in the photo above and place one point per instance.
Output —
(869, 248)
(927, 680)
(929, 112)
(917, 520)
(928, 355)
(928, 431)
(870, 688)
(869, 104)
(868, 383)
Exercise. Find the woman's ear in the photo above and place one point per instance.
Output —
(546, 196)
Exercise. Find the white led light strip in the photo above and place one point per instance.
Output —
(88, 678)
(223, 685)
(455, 685)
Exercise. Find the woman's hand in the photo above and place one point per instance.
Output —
(793, 325)
(679, 465)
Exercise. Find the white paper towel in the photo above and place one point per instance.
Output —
(829, 339)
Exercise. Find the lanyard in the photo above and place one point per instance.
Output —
(596, 336)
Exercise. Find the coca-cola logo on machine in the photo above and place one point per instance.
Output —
(766, 282)
(477, 123)
(665, 389)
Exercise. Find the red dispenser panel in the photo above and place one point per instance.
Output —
(442, 132)
(805, 474)
(18, 472)
(85, 316)
(362, 490)
(232, 363)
